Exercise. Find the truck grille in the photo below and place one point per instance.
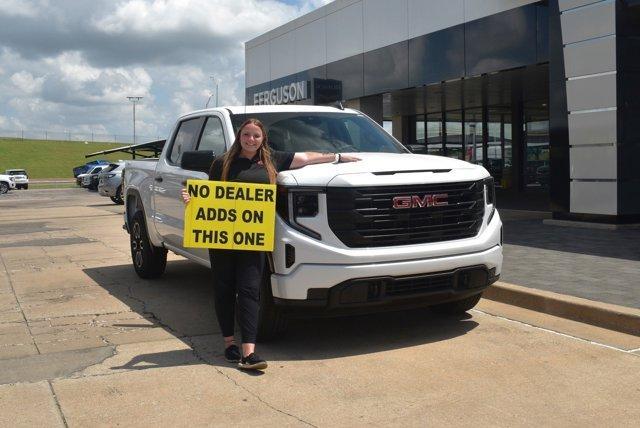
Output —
(365, 216)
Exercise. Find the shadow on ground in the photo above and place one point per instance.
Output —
(181, 302)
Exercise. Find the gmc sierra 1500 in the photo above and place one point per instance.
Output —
(394, 230)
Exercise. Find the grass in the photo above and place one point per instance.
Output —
(51, 159)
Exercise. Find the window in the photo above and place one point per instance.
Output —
(435, 134)
(185, 139)
(213, 137)
(453, 127)
(323, 132)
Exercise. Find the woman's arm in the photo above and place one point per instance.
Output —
(301, 159)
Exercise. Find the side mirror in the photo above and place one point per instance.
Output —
(197, 160)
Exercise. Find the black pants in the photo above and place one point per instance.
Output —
(237, 276)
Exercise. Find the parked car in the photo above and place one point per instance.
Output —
(93, 170)
(7, 182)
(386, 232)
(90, 181)
(83, 169)
(110, 182)
(20, 176)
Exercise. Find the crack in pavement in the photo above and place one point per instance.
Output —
(245, 389)
(58, 406)
(18, 303)
(188, 340)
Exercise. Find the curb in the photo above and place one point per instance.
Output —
(605, 315)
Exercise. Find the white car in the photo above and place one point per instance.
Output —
(80, 179)
(7, 182)
(20, 176)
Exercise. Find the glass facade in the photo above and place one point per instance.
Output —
(496, 121)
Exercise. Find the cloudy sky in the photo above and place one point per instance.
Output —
(70, 64)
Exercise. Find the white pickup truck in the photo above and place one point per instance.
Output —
(394, 230)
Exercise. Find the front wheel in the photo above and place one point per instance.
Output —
(272, 323)
(4, 188)
(148, 261)
(457, 307)
(117, 199)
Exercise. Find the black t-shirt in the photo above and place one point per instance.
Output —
(250, 170)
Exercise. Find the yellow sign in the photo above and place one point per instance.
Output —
(230, 215)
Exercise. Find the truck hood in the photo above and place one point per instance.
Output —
(379, 169)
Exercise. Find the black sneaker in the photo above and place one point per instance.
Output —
(252, 362)
(232, 354)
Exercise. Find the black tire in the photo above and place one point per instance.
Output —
(117, 199)
(148, 261)
(272, 323)
(4, 188)
(457, 307)
(26, 187)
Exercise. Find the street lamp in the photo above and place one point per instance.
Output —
(209, 99)
(134, 100)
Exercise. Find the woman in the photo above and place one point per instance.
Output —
(239, 273)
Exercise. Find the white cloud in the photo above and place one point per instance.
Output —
(70, 65)
(212, 17)
(25, 81)
(18, 8)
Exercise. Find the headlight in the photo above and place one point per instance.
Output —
(293, 204)
(110, 175)
(12, 178)
(490, 196)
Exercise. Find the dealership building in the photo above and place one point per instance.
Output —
(544, 94)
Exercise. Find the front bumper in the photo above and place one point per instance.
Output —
(109, 186)
(319, 266)
(390, 293)
(106, 190)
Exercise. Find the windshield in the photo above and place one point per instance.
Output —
(17, 172)
(323, 132)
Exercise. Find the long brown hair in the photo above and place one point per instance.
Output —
(264, 152)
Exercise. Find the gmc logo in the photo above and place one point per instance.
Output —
(415, 201)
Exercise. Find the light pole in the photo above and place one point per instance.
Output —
(209, 99)
(134, 100)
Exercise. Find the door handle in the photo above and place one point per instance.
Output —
(158, 179)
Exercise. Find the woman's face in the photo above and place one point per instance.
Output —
(250, 140)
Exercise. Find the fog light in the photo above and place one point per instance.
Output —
(289, 255)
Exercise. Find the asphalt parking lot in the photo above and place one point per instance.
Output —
(85, 342)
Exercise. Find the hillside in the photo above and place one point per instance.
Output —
(51, 159)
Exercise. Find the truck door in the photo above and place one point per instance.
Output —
(213, 139)
(170, 180)
(208, 134)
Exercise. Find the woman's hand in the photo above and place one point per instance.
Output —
(185, 196)
(348, 158)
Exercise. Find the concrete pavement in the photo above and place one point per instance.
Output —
(85, 342)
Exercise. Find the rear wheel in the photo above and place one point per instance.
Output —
(117, 199)
(457, 307)
(4, 188)
(148, 261)
(272, 323)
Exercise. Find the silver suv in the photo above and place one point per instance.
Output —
(110, 182)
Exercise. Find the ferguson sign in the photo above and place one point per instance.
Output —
(296, 91)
